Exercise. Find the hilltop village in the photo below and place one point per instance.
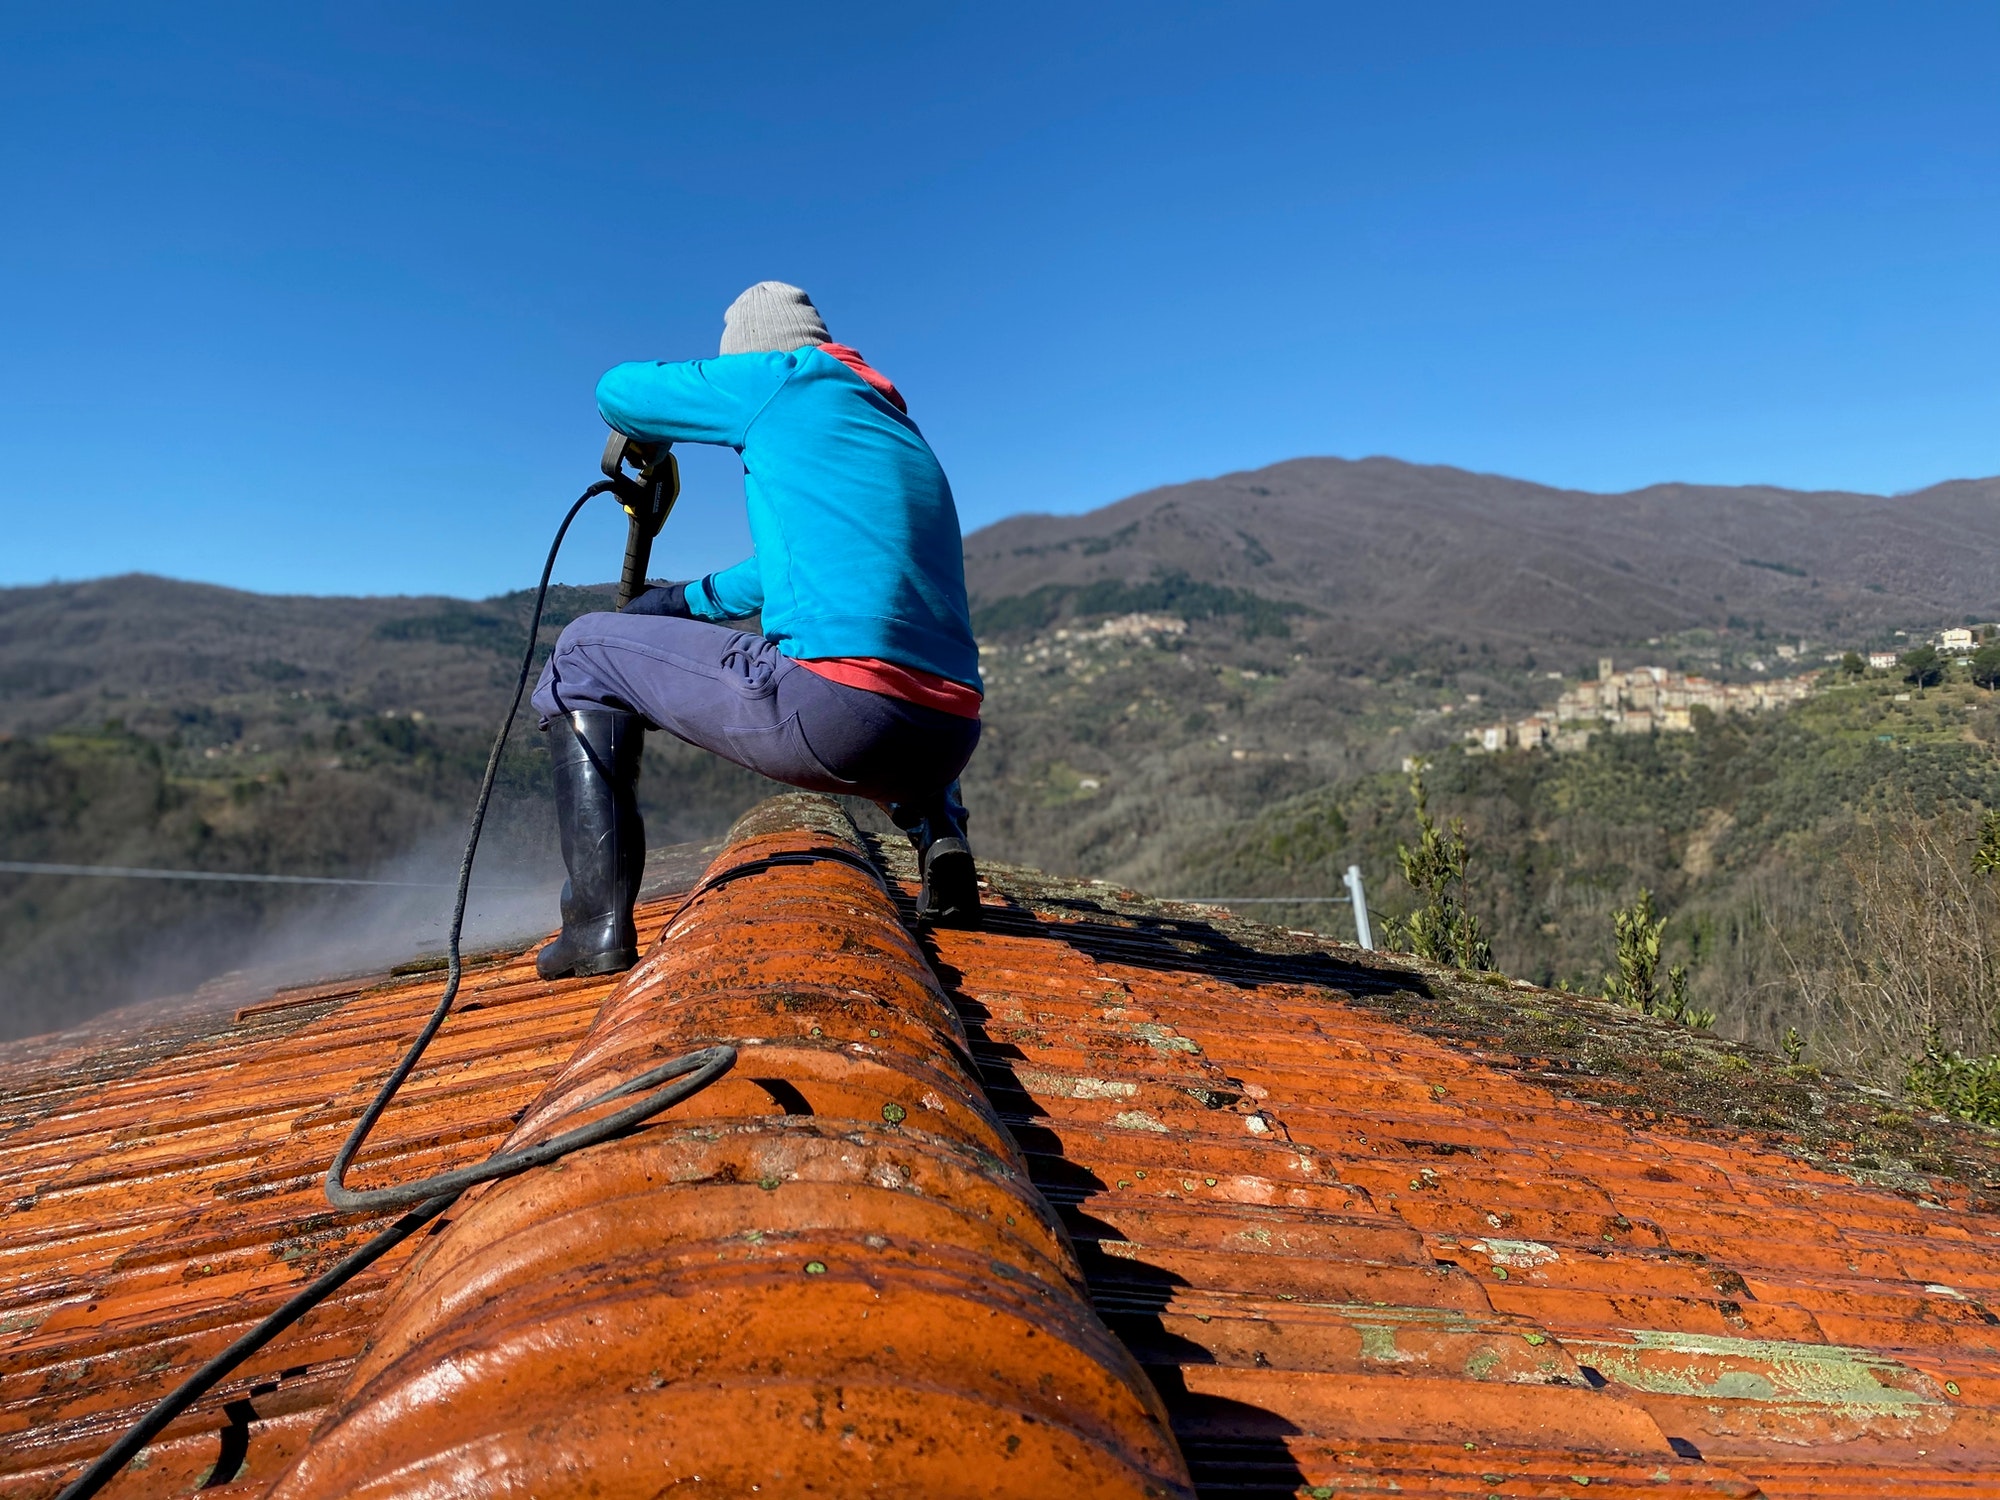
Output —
(1662, 700)
(1639, 700)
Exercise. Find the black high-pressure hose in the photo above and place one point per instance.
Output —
(430, 1196)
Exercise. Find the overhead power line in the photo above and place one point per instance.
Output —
(131, 872)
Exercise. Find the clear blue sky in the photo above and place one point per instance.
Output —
(313, 298)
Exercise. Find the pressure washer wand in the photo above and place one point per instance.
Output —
(648, 495)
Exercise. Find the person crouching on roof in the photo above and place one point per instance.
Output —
(865, 680)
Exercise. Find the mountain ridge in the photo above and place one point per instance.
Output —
(1389, 548)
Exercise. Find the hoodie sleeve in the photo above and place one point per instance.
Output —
(730, 594)
(692, 401)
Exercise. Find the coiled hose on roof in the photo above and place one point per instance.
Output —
(430, 1196)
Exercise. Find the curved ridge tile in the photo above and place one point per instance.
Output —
(827, 1274)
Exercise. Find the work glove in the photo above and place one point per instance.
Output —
(669, 599)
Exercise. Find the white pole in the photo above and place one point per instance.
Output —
(1361, 931)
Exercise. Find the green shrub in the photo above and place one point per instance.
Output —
(1967, 1088)
(1441, 929)
(1636, 985)
(1986, 853)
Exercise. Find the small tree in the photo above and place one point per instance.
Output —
(1922, 667)
(1853, 665)
(1441, 928)
(1636, 985)
(1986, 665)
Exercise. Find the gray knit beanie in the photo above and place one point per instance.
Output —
(772, 318)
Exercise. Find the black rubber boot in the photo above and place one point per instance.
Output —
(596, 754)
(935, 827)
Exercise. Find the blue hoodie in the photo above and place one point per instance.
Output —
(858, 551)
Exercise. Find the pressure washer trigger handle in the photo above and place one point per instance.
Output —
(613, 462)
(647, 500)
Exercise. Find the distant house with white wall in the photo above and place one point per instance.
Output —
(1958, 640)
(1881, 660)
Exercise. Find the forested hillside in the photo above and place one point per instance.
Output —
(1742, 831)
(159, 724)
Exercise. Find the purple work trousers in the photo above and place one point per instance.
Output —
(737, 695)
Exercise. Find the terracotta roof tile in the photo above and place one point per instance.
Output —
(1366, 1227)
(155, 1211)
(1713, 1303)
